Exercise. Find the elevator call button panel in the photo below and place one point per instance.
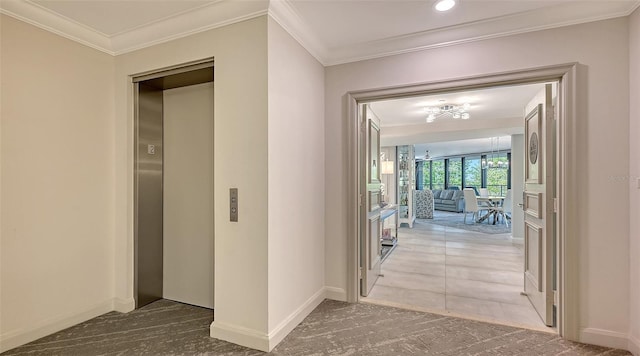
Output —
(233, 204)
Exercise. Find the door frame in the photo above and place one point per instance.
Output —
(133, 82)
(567, 273)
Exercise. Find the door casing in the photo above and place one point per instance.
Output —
(567, 76)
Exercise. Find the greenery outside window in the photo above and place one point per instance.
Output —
(473, 172)
(437, 174)
(455, 173)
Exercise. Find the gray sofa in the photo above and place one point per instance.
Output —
(448, 200)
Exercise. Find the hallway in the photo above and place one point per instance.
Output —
(333, 328)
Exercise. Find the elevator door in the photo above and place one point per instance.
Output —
(148, 242)
(176, 263)
(188, 195)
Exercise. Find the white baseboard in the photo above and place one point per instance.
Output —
(605, 338)
(634, 345)
(286, 326)
(15, 338)
(261, 341)
(239, 335)
(124, 305)
(334, 293)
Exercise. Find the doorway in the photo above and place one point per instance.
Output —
(442, 260)
(173, 186)
(565, 76)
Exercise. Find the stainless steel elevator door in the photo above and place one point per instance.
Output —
(148, 239)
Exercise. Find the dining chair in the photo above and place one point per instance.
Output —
(471, 204)
(505, 209)
(484, 192)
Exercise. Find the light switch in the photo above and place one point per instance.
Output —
(151, 149)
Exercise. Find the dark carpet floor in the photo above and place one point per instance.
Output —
(334, 328)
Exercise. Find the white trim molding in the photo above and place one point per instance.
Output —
(225, 12)
(287, 17)
(47, 20)
(335, 293)
(545, 18)
(217, 14)
(124, 305)
(286, 326)
(15, 338)
(605, 338)
(240, 335)
(567, 75)
(266, 342)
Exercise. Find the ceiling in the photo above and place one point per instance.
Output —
(486, 104)
(340, 31)
(334, 31)
(494, 112)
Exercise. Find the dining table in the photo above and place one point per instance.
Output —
(489, 202)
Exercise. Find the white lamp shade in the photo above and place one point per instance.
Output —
(387, 167)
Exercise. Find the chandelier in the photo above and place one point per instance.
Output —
(492, 161)
(455, 111)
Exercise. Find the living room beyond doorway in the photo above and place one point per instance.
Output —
(452, 271)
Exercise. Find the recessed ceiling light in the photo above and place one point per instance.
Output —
(445, 5)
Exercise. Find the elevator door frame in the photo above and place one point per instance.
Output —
(173, 77)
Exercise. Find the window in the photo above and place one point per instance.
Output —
(468, 171)
(437, 174)
(472, 172)
(497, 178)
(426, 175)
(454, 171)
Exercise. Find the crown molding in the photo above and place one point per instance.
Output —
(226, 12)
(535, 20)
(218, 14)
(45, 19)
(287, 17)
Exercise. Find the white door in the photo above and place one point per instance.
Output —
(538, 199)
(370, 224)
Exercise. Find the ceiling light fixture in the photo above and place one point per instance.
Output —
(456, 111)
(445, 5)
(494, 160)
(427, 157)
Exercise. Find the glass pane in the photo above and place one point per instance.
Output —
(455, 172)
(437, 168)
(426, 174)
(497, 174)
(472, 172)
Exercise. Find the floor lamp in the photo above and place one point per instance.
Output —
(386, 170)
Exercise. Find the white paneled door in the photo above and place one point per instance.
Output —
(370, 197)
(538, 203)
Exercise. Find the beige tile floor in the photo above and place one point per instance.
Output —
(452, 271)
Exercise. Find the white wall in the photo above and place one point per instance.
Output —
(188, 195)
(603, 217)
(296, 182)
(634, 174)
(240, 161)
(57, 183)
(517, 185)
